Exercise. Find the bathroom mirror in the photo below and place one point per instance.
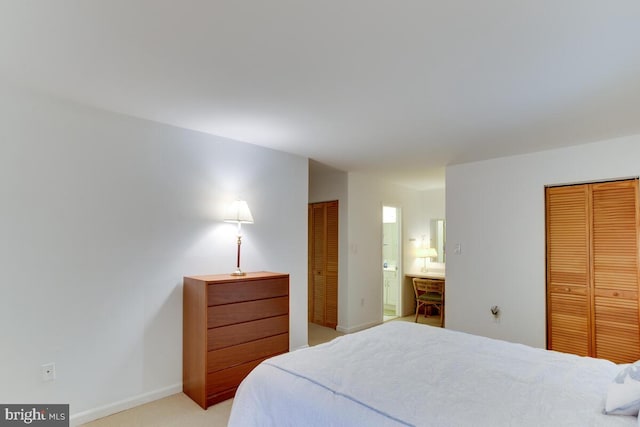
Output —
(437, 239)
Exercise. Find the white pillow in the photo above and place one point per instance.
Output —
(623, 396)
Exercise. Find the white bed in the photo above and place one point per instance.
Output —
(403, 373)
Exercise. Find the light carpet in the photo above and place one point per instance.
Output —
(179, 410)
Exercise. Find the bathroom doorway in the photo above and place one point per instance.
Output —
(391, 259)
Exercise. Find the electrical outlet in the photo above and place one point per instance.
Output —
(48, 371)
(495, 310)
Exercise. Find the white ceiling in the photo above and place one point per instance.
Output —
(399, 88)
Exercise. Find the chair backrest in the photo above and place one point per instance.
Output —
(421, 286)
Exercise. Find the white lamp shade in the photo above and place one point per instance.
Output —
(426, 253)
(238, 212)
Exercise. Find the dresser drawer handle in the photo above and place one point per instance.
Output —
(567, 289)
(615, 294)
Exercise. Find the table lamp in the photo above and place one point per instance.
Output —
(426, 253)
(238, 212)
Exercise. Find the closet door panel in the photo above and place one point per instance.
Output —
(323, 263)
(617, 335)
(331, 320)
(569, 317)
(567, 236)
(615, 271)
(318, 256)
(568, 297)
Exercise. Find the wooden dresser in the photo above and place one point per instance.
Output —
(230, 325)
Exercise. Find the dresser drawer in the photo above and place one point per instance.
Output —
(222, 315)
(228, 293)
(227, 380)
(227, 336)
(242, 353)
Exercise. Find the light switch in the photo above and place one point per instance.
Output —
(458, 249)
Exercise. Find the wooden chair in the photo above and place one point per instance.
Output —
(429, 293)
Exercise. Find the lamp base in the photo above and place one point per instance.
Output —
(238, 272)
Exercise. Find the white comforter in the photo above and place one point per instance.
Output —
(403, 373)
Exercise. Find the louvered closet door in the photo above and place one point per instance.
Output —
(615, 271)
(323, 263)
(317, 254)
(331, 319)
(568, 296)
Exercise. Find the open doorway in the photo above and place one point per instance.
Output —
(391, 259)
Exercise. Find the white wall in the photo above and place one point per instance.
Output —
(101, 217)
(430, 204)
(361, 198)
(420, 210)
(495, 210)
(367, 195)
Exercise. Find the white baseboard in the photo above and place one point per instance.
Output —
(123, 405)
(356, 328)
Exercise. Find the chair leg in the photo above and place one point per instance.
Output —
(417, 312)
